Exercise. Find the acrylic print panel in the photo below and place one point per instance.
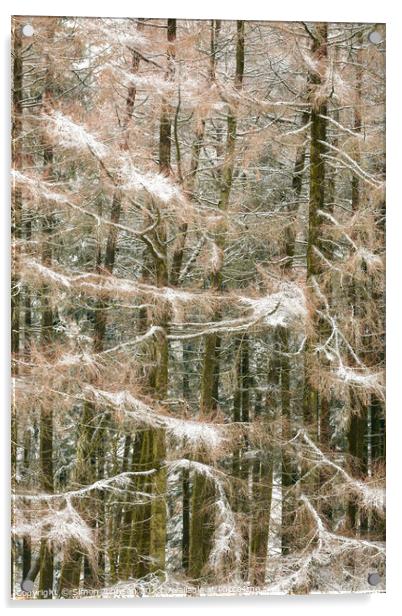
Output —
(197, 307)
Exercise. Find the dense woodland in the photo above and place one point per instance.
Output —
(198, 221)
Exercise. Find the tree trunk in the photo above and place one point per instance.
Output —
(289, 469)
(358, 423)
(311, 401)
(87, 448)
(16, 213)
(46, 573)
(313, 398)
(203, 490)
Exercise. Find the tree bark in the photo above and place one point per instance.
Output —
(16, 211)
(311, 400)
(88, 446)
(46, 573)
(203, 491)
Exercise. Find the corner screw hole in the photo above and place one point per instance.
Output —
(375, 37)
(373, 579)
(27, 30)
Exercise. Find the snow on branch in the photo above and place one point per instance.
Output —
(370, 497)
(59, 527)
(159, 186)
(352, 165)
(155, 83)
(40, 189)
(359, 376)
(192, 433)
(285, 308)
(356, 135)
(370, 259)
(69, 134)
(122, 480)
(60, 523)
(97, 284)
(361, 253)
(226, 539)
(88, 358)
(338, 543)
(325, 552)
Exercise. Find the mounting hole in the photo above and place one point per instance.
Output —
(27, 30)
(374, 579)
(27, 585)
(375, 37)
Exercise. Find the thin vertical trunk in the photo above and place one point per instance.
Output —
(289, 470)
(26, 541)
(186, 484)
(141, 530)
(188, 186)
(262, 483)
(46, 413)
(157, 544)
(311, 399)
(148, 535)
(46, 573)
(88, 446)
(377, 459)
(16, 203)
(16, 211)
(260, 516)
(185, 540)
(101, 496)
(119, 553)
(245, 385)
(215, 30)
(358, 423)
(189, 182)
(207, 381)
(377, 431)
(203, 491)
(293, 207)
(133, 527)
